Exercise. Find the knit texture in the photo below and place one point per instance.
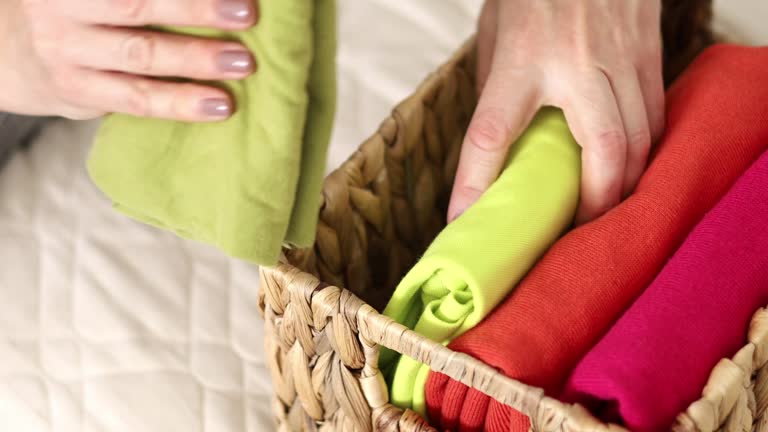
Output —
(696, 312)
(717, 125)
(250, 184)
(481, 256)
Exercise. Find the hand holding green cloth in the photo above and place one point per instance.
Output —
(250, 184)
(480, 257)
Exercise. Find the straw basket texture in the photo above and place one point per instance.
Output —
(380, 210)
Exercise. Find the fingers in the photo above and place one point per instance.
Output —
(225, 14)
(143, 97)
(613, 113)
(159, 54)
(487, 28)
(595, 121)
(507, 105)
(629, 98)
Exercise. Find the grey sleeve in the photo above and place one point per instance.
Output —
(16, 130)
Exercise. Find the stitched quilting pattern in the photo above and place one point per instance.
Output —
(109, 325)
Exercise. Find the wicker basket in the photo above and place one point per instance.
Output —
(380, 210)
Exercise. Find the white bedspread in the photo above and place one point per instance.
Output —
(109, 325)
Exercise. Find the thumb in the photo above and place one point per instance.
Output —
(507, 105)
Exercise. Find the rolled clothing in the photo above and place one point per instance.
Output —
(717, 126)
(656, 359)
(479, 258)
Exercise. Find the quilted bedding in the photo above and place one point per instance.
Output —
(109, 325)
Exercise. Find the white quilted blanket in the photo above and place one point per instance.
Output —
(109, 325)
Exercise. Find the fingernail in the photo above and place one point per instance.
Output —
(239, 11)
(220, 108)
(235, 61)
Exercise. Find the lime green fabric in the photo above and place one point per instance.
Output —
(250, 184)
(317, 134)
(480, 257)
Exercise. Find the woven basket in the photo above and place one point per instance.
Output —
(381, 209)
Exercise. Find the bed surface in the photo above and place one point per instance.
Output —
(110, 325)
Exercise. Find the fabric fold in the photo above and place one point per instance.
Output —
(250, 184)
(322, 88)
(476, 260)
(717, 126)
(696, 312)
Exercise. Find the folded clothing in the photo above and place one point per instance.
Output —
(696, 312)
(250, 184)
(716, 127)
(317, 132)
(480, 257)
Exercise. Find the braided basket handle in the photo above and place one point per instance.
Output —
(381, 330)
(318, 304)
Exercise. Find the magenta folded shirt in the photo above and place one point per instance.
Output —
(656, 359)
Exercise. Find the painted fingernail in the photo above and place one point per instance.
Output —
(235, 61)
(239, 11)
(219, 108)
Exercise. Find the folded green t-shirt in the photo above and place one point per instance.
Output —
(480, 257)
(250, 184)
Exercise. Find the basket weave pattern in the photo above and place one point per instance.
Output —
(381, 209)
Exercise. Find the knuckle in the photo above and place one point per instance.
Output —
(137, 100)
(610, 145)
(138, 52)
(488, 133)
(133, 11)
(640, 138)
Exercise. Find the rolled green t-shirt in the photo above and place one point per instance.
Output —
(480, 257)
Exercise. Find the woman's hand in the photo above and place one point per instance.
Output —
(81, 59)
(598, 60)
